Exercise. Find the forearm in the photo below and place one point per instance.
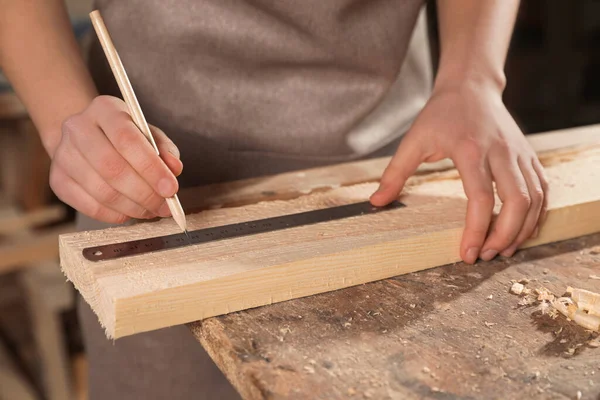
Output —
(41, 58)
(474, 37)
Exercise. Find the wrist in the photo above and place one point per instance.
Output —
(50, 141)
(459, 77)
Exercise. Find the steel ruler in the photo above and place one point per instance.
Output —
(135, 247)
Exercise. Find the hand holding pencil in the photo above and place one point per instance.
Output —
(110, 164)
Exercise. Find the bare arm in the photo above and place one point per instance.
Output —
(41, 59)
(102, 165)
(475, 35)
(465, 120)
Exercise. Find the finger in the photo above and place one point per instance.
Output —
(168, 151)
(95, 147)
(514, 194)
(403, 164)
(536, 194)
(477, 183)
(111, 115)
(78, 169)
(69, 192)
(541, 173)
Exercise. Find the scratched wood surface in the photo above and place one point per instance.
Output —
(453, 332)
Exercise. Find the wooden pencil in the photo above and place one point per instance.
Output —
(132, 103)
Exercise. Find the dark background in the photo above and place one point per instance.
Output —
(552, 65)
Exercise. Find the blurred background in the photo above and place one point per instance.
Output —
(552, 84)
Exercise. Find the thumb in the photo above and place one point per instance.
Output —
(168, 150)
(403, 164)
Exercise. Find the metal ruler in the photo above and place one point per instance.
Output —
(135, 247)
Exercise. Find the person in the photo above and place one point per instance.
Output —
(247, 88)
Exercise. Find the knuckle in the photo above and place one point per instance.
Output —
(114, 167)
(502, 147)
(521, 199)
(72, 125)
(148, 165)
(537, 195)
(56, 179)
(150, 200)
(485, 198)
(126, 134)
(98, 212)
(471, 149)
(106, 194)
(119, 219)
(104, 101)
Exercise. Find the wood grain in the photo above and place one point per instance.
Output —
(434, 334)
(152, 291)
(291, 185)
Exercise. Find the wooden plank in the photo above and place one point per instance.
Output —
(14, 223)
(294, 184)
(27, 250)
(428, 335)
(152, 291)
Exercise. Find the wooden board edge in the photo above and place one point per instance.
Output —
(562, 223)
(353, 273)
(81, 277)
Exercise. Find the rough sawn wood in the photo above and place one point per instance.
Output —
(162, 289)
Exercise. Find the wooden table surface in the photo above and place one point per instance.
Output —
(453, 332)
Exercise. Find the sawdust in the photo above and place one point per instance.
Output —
(517, 288)
(577, 305)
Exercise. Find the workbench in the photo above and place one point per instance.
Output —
(453, 332)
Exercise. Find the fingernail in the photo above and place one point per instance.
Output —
(488, 254)
(166, 187)
(509, 252)
(472, 254)
(164, 211)
(174, 151)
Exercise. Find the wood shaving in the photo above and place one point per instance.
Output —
(582, 307)
(586, 300)
(544, 294)
(580, 315)
(517, 288)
